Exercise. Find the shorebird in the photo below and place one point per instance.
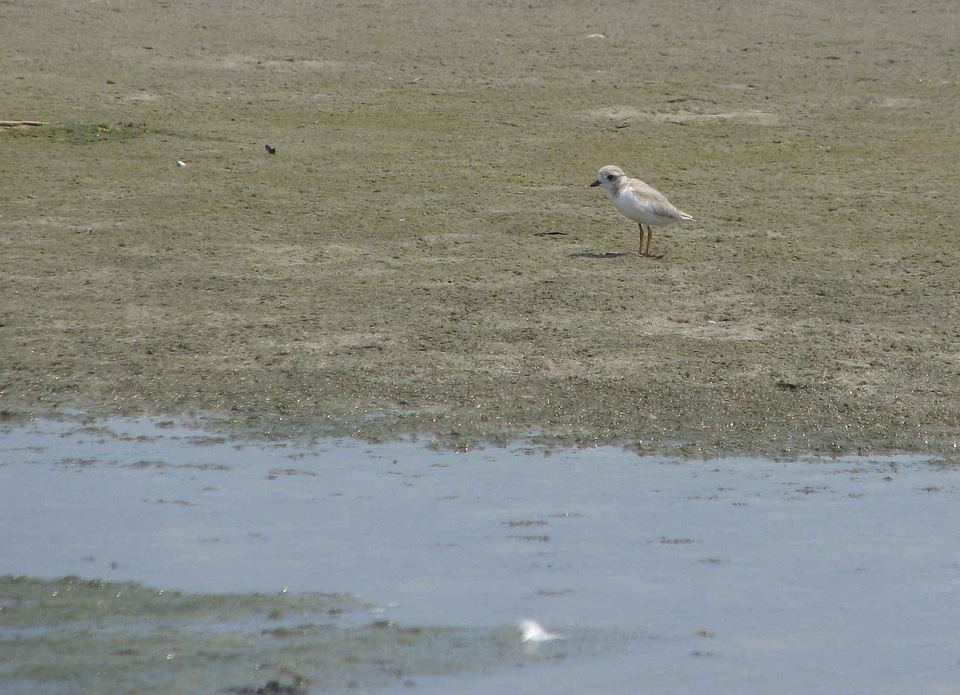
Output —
(639, 202)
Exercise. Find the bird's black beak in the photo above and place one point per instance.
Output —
(595, 183)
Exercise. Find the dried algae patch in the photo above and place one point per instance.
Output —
(78, 133)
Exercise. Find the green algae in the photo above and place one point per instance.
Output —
(89, 636)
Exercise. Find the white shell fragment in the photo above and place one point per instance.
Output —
(532, 631)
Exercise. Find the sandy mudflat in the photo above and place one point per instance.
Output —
(423, 245)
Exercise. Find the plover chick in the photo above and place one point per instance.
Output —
(639, 202)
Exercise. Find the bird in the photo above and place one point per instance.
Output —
(639, 202)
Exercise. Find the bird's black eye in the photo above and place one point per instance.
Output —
(610, 177)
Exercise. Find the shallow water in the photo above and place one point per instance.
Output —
(737, 575)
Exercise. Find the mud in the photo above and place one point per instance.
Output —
(422, 253)
(88, 636)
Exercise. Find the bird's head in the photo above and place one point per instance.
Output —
(608, 177)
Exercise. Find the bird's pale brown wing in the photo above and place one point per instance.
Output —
(648, 192)
(646, 197)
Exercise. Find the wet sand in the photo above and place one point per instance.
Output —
(422, 253)
(730, 576)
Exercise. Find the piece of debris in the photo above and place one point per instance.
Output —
(182, 164)
(532, 631)
(271, 150)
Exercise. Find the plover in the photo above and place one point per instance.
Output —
(639, 202)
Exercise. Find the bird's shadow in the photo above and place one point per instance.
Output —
(600, 255)
(604, 255)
